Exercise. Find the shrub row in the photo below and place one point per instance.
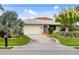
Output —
(70, 34)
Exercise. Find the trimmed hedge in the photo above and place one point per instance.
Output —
(70, 33)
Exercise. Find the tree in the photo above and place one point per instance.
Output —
(68, 18)
(1, 7)
(10, 22)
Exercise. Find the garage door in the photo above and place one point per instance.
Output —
(32, 29)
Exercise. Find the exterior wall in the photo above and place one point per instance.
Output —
(58, 28)
(33, 29)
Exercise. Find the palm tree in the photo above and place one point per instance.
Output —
(67, 18)
(1, 7)
(1, 26)
(11, 23)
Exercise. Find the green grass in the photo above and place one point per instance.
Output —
(69, 41)
(15, 41)
(6, 47)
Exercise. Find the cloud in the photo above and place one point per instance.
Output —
(27, 13)
(22, 17)
(31, 17)
(56, 7)
(56, 13)
(32, 12)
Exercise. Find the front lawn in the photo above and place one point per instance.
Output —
(69, 41)
(16, 41)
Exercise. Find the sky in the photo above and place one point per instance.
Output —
(29, 11)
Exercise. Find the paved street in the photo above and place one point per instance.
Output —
(39, 52)
(42, 45)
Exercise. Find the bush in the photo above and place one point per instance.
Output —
(50, 29)
(69, 34)
(2, 34)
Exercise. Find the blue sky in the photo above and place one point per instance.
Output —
(26, 11)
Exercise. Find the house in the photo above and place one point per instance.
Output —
(39, 25)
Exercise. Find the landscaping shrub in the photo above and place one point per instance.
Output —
(2, 34)
(50, 29)
(70, 33)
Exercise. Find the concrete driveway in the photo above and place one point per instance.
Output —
(40, 39)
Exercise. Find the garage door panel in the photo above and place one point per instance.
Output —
(32, 29)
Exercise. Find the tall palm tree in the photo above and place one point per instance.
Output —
(67, 18)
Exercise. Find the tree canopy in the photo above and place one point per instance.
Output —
(68, 18)
(1, 7)
(9, 23)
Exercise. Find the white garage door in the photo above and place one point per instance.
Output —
(32, 29)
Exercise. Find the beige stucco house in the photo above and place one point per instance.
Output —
(36, 26)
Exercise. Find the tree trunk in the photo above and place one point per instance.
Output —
(11, 33)
(66, 29)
